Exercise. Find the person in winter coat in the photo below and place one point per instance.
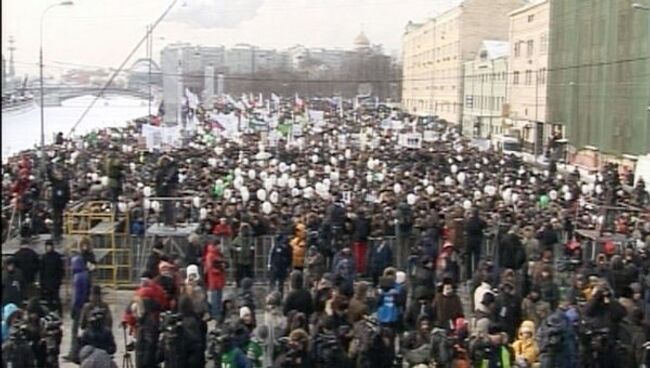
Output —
(299, 247)
(343, 266)
(192, 351)
(298, 298)
(243, 253)
(275, 323)
(511, 251)
(10, 314)
(97, 334)
(447, 306)
(358, 306)
(156, 256)
(381, 257)
(80, 295)
(222, 229)
(51, 275)
(548, 290)
(535, 309)
(314, 266)
(13, 284)
(95, 303)
(389, 312)
(279, 263)
(28, 262)
(215, 271)
(525, 347)
(92, 357)
(60, 198)
(360, 234)
(508, 309)
(474, 228)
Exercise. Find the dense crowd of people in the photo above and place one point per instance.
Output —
(494, 263)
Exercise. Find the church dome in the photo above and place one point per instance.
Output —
(361, 41)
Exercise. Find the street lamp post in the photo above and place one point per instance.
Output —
(40, 64)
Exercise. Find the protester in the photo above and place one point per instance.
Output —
(52, 271)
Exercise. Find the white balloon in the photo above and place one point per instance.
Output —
(196, 202)
(467, 204)
(461, 177)
(565, 188)
(274, 197)
(430, 189)
(327, 169)
(454, 169)
(212, 162)
(302, 182)
(327, 183)
(567, 196)
(155, 205)
(507, 195)
(477, 194)
(292, 182)
(584, 189)
(350, 174)
(104, 181)
(245, 194)
(369, 177)
(147, 204)
(311, 173)
(237, 172)
(481, 175)
(397, 188)
(591, 187)
(411, 199)
(203, 214)
(333, 161)
(294, 167)
(371, 164)
(295, 192)
(251, 174)
(533, 180)
(132, 166)
(268, 184)
(140, 185)
(449, 181)
(147, 191)
(238, 183)
(261, 194)
(227, 193)
(122, 207)
(334, 175)
(308, 192)
(348, 154)
(515, 197)
(314, 159)
(553, 194)
(267, 208)
(599, 189)
(283, 167)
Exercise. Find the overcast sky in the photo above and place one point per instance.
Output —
(102, 32)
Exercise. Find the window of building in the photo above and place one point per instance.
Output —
(515, 78)
(529, 52)
(517, 49)
(542, 76)
(531, 18)
(529, 77)
(543, 43)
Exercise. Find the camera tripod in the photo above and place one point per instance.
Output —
(127, 362)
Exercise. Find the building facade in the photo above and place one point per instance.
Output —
(599, 78)
(528, 63)
(434, 53)
(485, 90)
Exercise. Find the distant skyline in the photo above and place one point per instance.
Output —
(103, 32)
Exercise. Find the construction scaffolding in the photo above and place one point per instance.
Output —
(108, 234)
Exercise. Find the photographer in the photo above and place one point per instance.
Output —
(95, 302)
(97, 334)
(34, 331)
(225, 352)
(16, 352)
(297, 353)
(555, 342)
(192, 353)
(171, 345)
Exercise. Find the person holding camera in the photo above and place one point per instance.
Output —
(16, 351)
(95, 302)
(97, 334)
(297, 352)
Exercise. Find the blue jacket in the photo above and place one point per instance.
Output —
(7, 312)
(388, 309)
(80, 284)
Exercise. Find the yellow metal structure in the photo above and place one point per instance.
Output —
(108, 235)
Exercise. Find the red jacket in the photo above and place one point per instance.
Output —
(215, 274)
(222, 230)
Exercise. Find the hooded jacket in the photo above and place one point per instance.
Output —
(80, 284)
(12, 286)
(52, 270)
(92, 357)
(214, 270)
(299, 246)
(7, 312)
(298, 298)
(279, 259)
(526, 347)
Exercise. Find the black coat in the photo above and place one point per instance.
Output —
(380, 258)
(60, 193)
(511, 252)
(299, 300)
(12, 287)
(361, 229)
(52, 270)
(100, 338)
(280, 260)
(28, 262)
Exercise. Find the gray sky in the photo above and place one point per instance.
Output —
(102, 32)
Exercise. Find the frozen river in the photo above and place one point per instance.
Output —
(22, 130)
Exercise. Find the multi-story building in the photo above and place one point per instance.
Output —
(528, 64)
(485, 81)
(599, 78)
(434, 53)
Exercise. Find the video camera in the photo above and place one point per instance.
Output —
(218, 342)
(171, 322)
